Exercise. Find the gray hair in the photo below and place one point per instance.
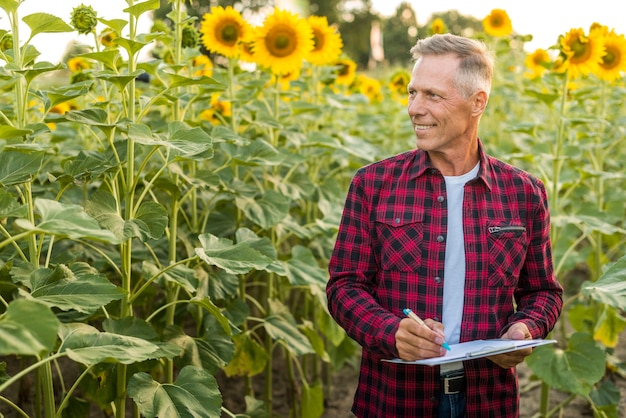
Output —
(476, 67)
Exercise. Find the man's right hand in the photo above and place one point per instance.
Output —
(416, 342)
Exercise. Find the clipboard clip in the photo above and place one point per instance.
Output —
(491, 350)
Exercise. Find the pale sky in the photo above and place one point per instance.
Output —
(544, 19)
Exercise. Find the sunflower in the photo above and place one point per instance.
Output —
(583, 53)
(246, 47)
(217, 111)
(538, 63)
(107, 36)
(369, 87)
(438, 27)
(222, 30)
(76, 64)
(282, 42)
(327, 42)
(346, 71)
(614, 58)
(498, 23)
(202, 65)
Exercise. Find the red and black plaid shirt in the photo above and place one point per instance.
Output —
(389, 255)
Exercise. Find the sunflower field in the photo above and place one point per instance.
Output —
(166, 223)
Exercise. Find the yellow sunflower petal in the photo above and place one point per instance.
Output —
(498, 23)
(614, 60)
(537, 63)
(327, 42)
(584, 53)
(222, 29)
(346, 71)
(282, 42)
(438, 27)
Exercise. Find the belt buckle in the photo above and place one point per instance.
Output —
(453, 379)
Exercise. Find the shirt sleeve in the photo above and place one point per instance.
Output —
(352, 284)
(539, 295)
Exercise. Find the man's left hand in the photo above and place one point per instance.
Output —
(518, 331)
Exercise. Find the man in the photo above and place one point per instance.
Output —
(457, 236)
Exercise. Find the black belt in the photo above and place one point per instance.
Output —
(453, 383)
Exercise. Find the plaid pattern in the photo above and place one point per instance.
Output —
(389, 255)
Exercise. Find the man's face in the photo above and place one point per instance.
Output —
(442, 118)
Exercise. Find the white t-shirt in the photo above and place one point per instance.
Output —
(454, 267)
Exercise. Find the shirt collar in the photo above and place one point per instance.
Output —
(421, 164)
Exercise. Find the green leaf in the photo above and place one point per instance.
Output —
(103, 208)
(609, 327)
(212, 351)
(250, 358)
(9, 6)
(303, 269)
(9, 132)
(83, 292)
(149, 222)
(281, 326)
(192, 143)
(131, 47)
(117, 25)
(19, 165)
(610, 288)
(39, 68)
(180, 275)
(136, 327)
(45, 23)
(216, 312)
(64, 93)
(28, 328)
(140, 8)
(178, 80)
(108, 57)
(195, 393)
(574, 370)
(9, 206)
(233, 258)
(86, 345)
(266, 211)
(119, 80)
(66, 220)
(312, 401)
(93, 117)
(316, 340)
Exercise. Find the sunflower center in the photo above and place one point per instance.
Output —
(281, 41)
(611, 58)
(496, 21)
(318, 40)
(581, 49)
(228, 33)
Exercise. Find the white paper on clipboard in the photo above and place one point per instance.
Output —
(476, 349)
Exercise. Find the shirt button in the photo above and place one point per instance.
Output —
(436, 319)
(437, 279)
(440, 238)
(397, 220)
(440, 199)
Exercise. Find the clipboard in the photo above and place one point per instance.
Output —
(471, 350)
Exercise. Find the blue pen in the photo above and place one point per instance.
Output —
(412, 314)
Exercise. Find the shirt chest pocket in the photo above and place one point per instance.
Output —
(400, 238)
(508, 243)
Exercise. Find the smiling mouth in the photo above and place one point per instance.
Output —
(422, 127)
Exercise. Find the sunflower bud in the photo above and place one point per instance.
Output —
(6, 41)
(84, 19)
(160, 26)
(190, 37)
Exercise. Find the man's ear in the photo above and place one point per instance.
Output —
(480, 102)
